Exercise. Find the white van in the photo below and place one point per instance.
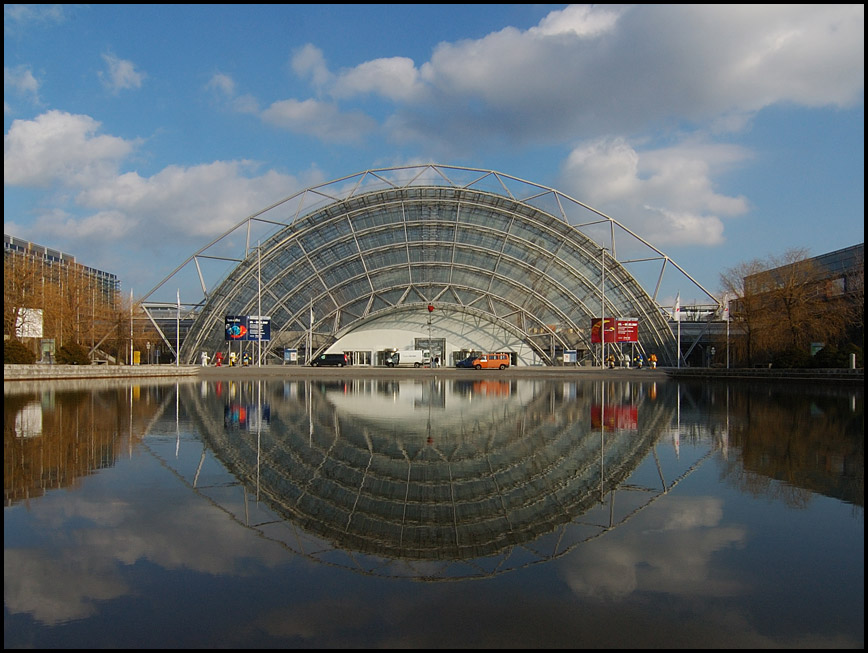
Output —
(408, 357)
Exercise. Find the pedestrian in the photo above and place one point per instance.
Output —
(653, 360)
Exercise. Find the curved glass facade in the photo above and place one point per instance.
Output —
(526, 279)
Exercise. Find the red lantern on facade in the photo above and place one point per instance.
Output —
(430, 308)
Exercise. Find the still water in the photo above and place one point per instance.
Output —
(433, 513)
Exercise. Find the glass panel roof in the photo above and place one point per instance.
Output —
(413, 234)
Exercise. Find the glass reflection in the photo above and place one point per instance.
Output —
(424, 471)
(438, 469)
(327, 483)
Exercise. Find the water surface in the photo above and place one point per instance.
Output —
(433, 513)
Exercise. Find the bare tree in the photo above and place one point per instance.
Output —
(782, 305)
(854, 291)
(22, 291)
(75, 306)
(746, 310)
(799, 297)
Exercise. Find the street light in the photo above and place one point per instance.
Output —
(603, 311)
(430, 360)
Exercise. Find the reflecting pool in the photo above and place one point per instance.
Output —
(433, 513)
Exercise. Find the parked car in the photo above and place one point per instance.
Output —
(332, 360)
(499, 361)
(406, 358)
(467, 362)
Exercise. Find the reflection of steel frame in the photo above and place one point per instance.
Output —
(412, 504)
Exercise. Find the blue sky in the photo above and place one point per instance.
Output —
(136, 134)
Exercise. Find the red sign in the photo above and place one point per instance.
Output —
(616, 329)
(612, 418)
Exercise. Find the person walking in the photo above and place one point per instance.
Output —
(653, 360)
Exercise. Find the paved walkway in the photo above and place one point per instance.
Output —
(155, 372)
(52, 372)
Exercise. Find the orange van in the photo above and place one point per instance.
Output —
(498, 361)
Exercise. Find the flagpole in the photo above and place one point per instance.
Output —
(259, 301)
(310, 334)
(178, 332)
(726, 317)
(602, 308)
(678, 319)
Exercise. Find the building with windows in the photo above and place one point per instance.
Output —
(57, 266)
(836, 274)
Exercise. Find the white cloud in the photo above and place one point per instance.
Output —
(122, 74)
(225, 87)
(588, 70)
(222, 83)
(585, 70)
(59, 147)
(28, 575)
(309, 62)
(22, 15)
(96, 206)
(579, 20)
(395, 78)
(322, 120)
(105, 538)
(673, 553)
(192, 203)
(20, 80)
(666, 195)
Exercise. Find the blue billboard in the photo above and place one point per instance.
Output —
(236, 327)
(247, 327)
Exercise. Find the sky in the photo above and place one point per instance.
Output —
(134, 135)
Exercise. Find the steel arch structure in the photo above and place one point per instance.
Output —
(478, 244)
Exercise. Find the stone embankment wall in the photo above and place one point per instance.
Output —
(769, 374)
(49, 372)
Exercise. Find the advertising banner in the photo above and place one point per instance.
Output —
(246, 327)
(236, 327)
(616, 329)
(253, 326)
(627, 330)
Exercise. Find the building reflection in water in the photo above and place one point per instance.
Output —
(56, 433)
(438, 479)
(435, 478)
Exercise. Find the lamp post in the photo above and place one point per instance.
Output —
(430, 360)
(603, 307)
(259, 303)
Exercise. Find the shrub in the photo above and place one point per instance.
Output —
(832, 357)
(16, 353)
(792, 358)
(73, 354)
